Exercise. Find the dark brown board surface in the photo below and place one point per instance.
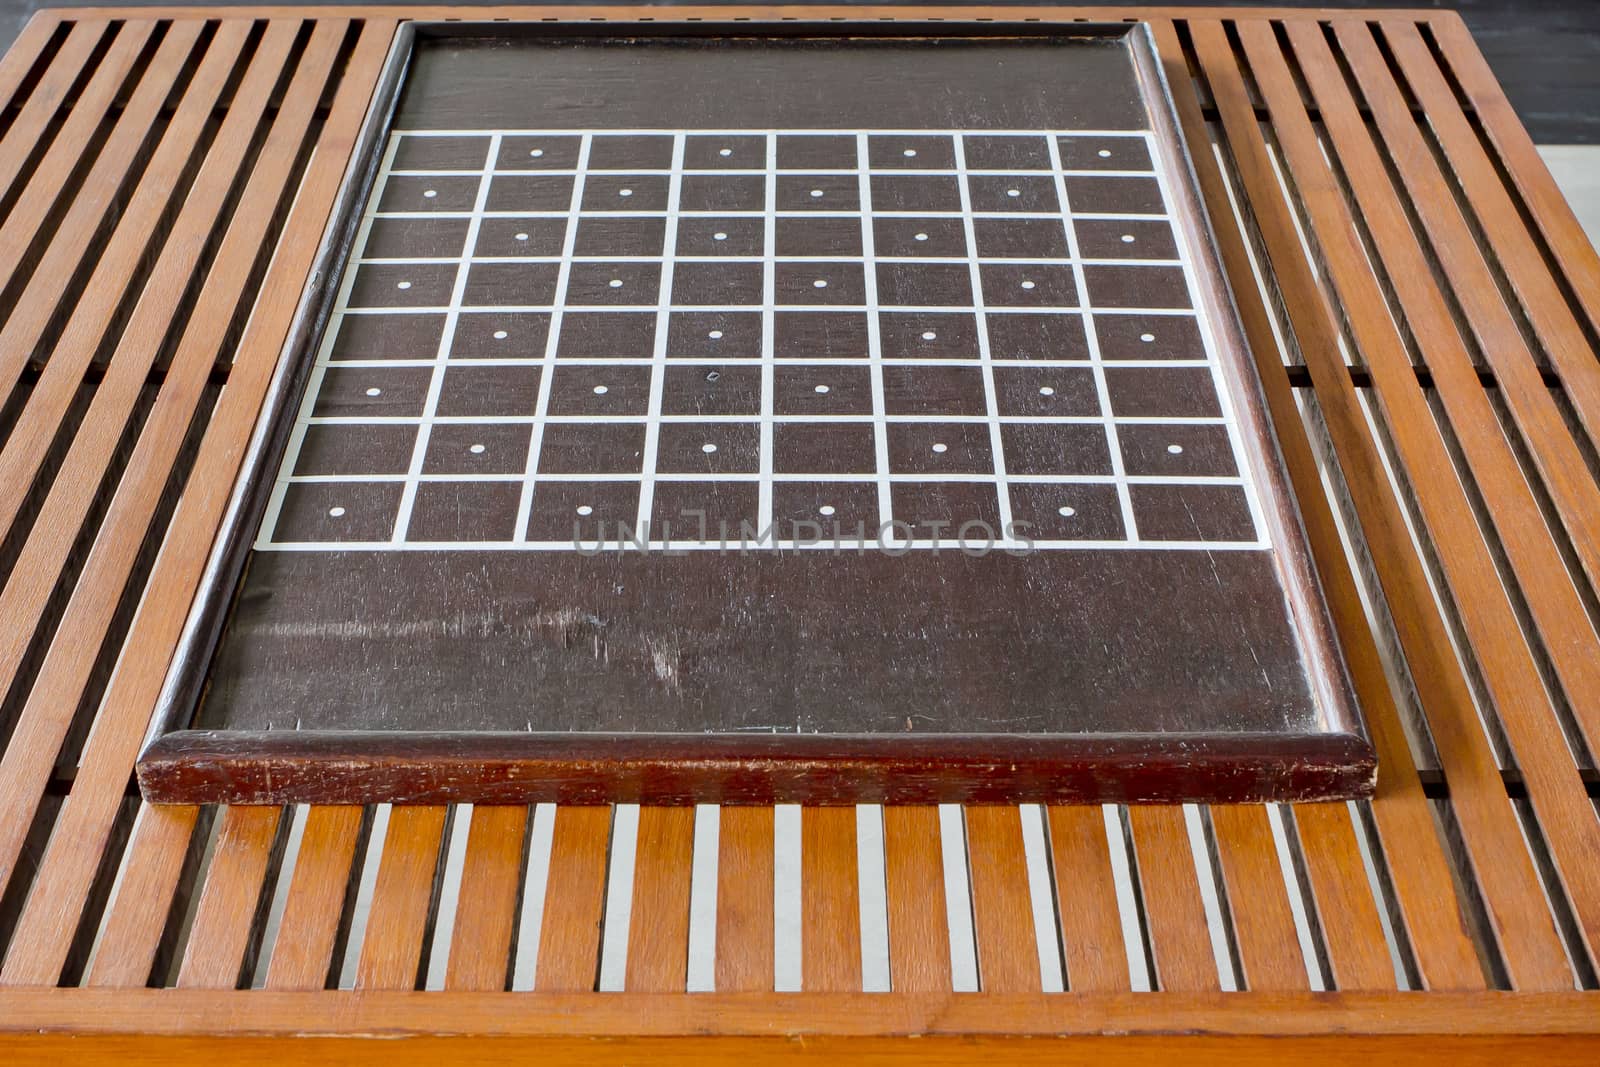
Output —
(773, 419)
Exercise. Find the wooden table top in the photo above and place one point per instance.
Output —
(1423, 309)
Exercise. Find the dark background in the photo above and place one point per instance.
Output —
(1545, 52)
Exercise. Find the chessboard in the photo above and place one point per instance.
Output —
(747, 418)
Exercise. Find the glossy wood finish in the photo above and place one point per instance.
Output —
(1439, 436)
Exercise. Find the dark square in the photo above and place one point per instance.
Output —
(722, 512)
(1115, 196)
(440, 153)
(604, 389)
(1007, 152)
(816, 152)
(396, 336)
(391, 238)
(395, 285)
(1148, 337)
(620, 235)
(734, 448)
(465, 511)
(714, 334)
(915, 192)
(366, 512)
(1045, 392)
(630, 152)
(1126, 239)
(530, 192)
(520, 236)
(592, 448)
(1066, 511)
(356, 448)
(818, 192)
(1036, 335)
(924, 285)
(372, 392)
(625, 192)
(824, 448)
(818, 283)
(477, 448)
(818, 237)
(510, 284)
(428, 193)
(925, 390)
(948, 511)
(1104, 153)
(1055, 448)
(1162, 392)
(1022, 193)
(1176, 450)
(538, 152)
(841, 513)
(829, 389)
(928, 335)
(725, 152)
(607, 335)
(820, 335)
(940, 448)
(1192, 513)
(722, 192)
(585, 512)
(932, 237)
(911, 152)
(717, 390)
(716, 284)
(489, 390)
(623, 283)
(1136, 287)
(500, 335)
(1020, 238)
(1049, 285)
(721, 235)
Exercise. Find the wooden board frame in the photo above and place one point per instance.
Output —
(182, 763)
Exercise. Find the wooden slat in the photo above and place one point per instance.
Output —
(48, 94)
(402, 898)
(745, 887)
(68, 866)
(219, 939)
(1002, 908)
(1351, 926)
(1490, 623)
(658, 930)
(1091, 926)
(1488, 823)
(19, 60)
(134, 922)
(1169, 885)
(919, 927)
(302, 955)
(1263, 924)
(486, 906)
(574, 901)
(830, 902)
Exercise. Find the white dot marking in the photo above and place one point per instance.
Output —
(719, 236)
(725, 152)
(1104, 153)
(941, 447)
(1147, 337)
(585, 509)
(1013, 192)
(1127, 238)
(815, 193)
(601, 390)
(715, 335)
(624, 192)
(929, 335)
(522, 237)
(909, 153)
(499, 335)
(536, 153)
(1027, 285)
(922, 237)
(402, 285)
(1066, 512)
(1175, 449)
(374, 391)
(822, 388)
(820, 283)
(826, 509)
(1045, 390)
(476, 450)
(708, 448)
(616, 283)
(336, 512)
(429, 194)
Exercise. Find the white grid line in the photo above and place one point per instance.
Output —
(658, 372)
(769, 299)
(880, 438)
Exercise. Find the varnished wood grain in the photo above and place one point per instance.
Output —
(229, 902)
(1263, 924)
(830, 902)
(1086, 895)
(486, 904)
(919, 927)
(658, 930)
(136, 916)
(402, 898)
(745, 900)
(1002, 908)
(1352, 928)
(302, 955)
(574, 900)
(1180, 941)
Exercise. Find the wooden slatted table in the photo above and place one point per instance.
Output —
(1424, 310)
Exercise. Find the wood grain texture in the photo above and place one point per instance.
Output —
(481, 946)
(574, 901)
(225, 920)
(49, 93)
(1002, 907)
(137, 915)
(1086, 896)
(830, 902)
(1263, 924)
(1175, 918)
(1351, 926)
(303, 954)
(919, 926)
(658, 927)
(402, 898)
(745, 891)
